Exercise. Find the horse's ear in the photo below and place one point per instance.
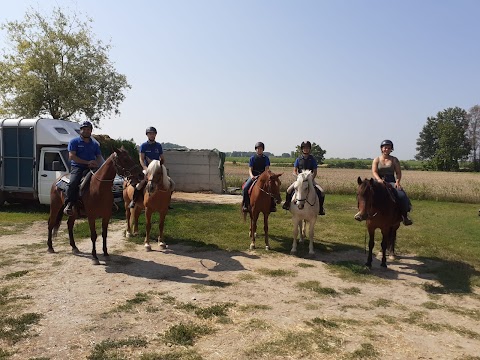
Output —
(280, 174)
(372, 181)
(359, 180)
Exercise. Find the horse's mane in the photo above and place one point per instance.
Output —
(304, 175)
(381, 197)
(157, 172)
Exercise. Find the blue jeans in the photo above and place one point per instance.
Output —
(246, 187)
(403, 200)
(76, 174)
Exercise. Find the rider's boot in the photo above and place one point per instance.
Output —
(245, 203)
(321, 199)
(406, 220)
(288, 200)
(68, 210)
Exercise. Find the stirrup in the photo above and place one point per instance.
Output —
(132, 204)
(68, 210)
(321, 211)
(286, 206)
(406, 220)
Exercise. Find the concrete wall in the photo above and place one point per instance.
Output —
(194, 170)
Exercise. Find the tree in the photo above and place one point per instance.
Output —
(443, 141)
(317, 152)
(54, 67)
(473, 134)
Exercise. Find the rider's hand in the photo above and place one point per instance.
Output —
(92, 164)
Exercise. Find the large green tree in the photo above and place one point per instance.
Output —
(443, 141)
(55, 67)
(317, 152)
(474, 135)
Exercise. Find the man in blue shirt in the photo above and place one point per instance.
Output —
(84, 153)
(257, 165)
(149, 150)
(305, 162)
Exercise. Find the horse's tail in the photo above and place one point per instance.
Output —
(57, 221)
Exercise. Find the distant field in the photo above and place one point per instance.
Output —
(420, 185)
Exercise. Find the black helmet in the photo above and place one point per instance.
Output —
(86, 123)
(386, 142)
(150, 129)
(306, 144)
(260, 144)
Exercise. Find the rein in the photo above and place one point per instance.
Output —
(269, 192)
(306, 197)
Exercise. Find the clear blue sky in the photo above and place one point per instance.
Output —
(225, 74)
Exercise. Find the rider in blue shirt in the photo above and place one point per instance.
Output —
(149, 150)
(84, 153)
(257, 164)
(306, 162)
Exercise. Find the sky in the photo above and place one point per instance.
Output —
(224, 74)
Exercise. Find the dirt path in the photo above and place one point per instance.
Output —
(269, 317)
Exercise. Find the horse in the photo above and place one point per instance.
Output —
(131, 215)
(156, 198)
(263, 190)
(304, 209)
(97, 199)
(377, 205)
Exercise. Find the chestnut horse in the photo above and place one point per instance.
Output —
(304, 209)
(97, 199)
(263, 190)
(156, 198)
(377, 205)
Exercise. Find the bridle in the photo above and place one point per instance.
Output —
(119, 169)
(369, 202)
(269, 190)
(306, 196)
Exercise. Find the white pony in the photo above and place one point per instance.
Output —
(304, 208)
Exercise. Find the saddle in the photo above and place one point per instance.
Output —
(64, 182)
(254, 180)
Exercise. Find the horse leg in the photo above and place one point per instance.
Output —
(371, 244)
(70, 222)
(105, 221)
(297, 224)
(265, 229)
(93, 238)
(128, 213)
(385, 241)
(136, 214)
(253, 228)
(161, 225)
(53, 223)
(303, 229)
(391, 248)
(311, 229)
(148, 226)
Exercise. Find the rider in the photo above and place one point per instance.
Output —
(149, 150)
(306, 162)
(258, 164)
(384, 169)
(84, 153)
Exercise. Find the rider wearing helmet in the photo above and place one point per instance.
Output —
(305, 162)
(384, 169)
(149, 150)
(258, 164)
(84, 153)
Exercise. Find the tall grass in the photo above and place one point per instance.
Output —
(419, 185)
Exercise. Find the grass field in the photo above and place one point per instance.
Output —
(420, 185)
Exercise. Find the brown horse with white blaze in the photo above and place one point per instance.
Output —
(263, 190)
(97, 200)
(377, 205)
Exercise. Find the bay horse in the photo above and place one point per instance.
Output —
(157, 197)
(377, 205)
(263, 190)
(97, 199)
(304, 209)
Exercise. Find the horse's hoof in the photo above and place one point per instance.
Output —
(252, 247)
(391, 257)
(267, 247)
(369, 265)
(293, 252)
(162, 245)
(75, 251)
(51, 251)
(384, 265)
(95, 262)
(148, 248)
(127, 234)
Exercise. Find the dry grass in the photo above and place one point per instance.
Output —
(420, 185)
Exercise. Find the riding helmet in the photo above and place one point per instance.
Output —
(260, 144)
(306, 144)
(386, 142)
(86, 123)
(150, 129)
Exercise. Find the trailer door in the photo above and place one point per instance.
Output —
(18, 159)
